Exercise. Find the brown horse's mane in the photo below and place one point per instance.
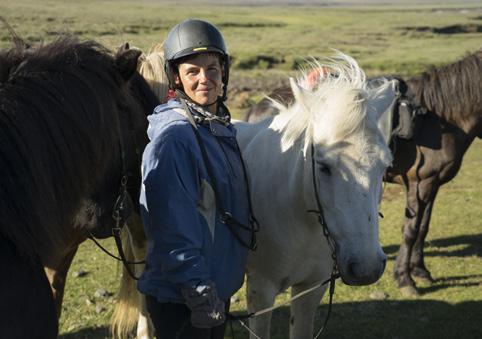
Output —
(59, 105)
(454, 91)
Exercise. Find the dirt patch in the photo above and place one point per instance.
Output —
(240, 99)
(258, 62)
(456, 29)
(251, 24)
(452, 29)
(244, 90)
(138, 29)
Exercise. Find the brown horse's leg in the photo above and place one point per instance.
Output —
(417, 263)
(401, 270)
(420, 196)
(57, 276)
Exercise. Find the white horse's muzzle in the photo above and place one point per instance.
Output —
(356, 270)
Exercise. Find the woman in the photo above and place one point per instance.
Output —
(194, 198)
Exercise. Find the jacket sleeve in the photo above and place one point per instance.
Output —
(174, 228)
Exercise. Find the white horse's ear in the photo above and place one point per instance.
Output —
(298, 92)
(387, 93)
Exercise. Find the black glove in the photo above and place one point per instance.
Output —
(207, 310)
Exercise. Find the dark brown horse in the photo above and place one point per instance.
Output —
(452, 97)
(72, 125)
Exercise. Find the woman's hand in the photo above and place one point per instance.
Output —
(207, 310)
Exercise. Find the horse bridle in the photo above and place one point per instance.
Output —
(319, 211)
(335, 273)
(118, 214)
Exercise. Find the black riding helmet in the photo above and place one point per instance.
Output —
(191, 37)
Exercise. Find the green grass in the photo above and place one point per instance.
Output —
(377, 37)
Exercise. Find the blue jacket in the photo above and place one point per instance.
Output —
(188, 245)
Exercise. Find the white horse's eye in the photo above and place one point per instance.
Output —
(325, 169)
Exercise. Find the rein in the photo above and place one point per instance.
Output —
(116, 230)
(225, 216)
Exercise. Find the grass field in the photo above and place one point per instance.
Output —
(401, 38)
(267, 44)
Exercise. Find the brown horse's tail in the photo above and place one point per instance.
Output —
(126, 311)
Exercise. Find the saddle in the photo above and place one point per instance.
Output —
(402, 118)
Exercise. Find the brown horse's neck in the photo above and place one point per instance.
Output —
(453, 92)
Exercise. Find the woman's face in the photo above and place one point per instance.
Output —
(201, 79)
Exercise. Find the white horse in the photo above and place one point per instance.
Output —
(337, 116)
(336, 123)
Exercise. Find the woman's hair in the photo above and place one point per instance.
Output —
(151, 67)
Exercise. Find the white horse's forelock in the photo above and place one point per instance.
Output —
(330, 110)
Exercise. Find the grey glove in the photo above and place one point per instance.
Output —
(207, 310)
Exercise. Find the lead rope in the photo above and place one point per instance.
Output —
(331, 280)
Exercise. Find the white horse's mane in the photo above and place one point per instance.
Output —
(331, 109)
